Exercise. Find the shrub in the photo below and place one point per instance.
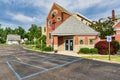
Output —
(2, 40)
(84, 50)
(48, 48)
(27, 42)
(94, 50)
(116, 43)
(103, 46)
(38, 46)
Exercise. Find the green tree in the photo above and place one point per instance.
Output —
(34, 32)
(104, 27)
(2, 40)
(20, 31)
(7, 31)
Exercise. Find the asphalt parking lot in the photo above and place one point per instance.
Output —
(17, 63)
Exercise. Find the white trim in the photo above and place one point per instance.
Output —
(49, 35)
(49, 24)
(118, 33)
(117, 29)
(83, 41)
(55, 11)
(89, 41)
(59, 18)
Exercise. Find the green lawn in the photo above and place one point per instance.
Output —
(114, 58)
(3, 44)
(31, 47)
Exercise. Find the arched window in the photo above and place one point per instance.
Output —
(49, 24)
(81, 41)
(53, 13)
(58, 18)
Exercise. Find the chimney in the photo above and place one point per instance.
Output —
(113, 16)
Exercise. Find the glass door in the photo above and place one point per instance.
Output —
(66, 45)
(69, 44)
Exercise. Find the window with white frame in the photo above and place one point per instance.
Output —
(53, 13)
(44, 29)
(49, 24)
(91, 41)
(58, 18)
(49, 35)
(81, 41)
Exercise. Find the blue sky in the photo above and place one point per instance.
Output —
(23, 13)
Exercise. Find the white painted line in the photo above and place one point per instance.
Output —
(19, 59)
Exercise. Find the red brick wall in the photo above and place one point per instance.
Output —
(86, 39)
(117, 35)
(63, 16)
(60, 40)
(76, 40)
(55, 40)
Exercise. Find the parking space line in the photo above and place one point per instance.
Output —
(31, 65)
(34, 74)
(51, 63)
(43, 62)
(51, 68)
(55, 66)
(60, 60)
(16, 74)
(68, 58)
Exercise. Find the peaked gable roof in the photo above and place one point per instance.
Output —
(61, 8)
(81, 16)
(73, 26)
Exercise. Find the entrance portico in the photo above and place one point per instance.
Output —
(72, 35)
(63, 43)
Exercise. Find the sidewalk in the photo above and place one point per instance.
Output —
(68, 53)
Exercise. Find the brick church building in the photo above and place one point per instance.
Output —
(69, 32)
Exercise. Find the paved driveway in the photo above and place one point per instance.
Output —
(19, 64)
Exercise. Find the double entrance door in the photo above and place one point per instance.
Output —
(69, 44)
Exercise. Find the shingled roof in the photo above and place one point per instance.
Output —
(11, 37)
(73, 26)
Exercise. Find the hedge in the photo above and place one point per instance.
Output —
(48, 48)
(94, 50)
(87, 50)
(84, 50)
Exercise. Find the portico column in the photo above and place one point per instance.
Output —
(55, 38)
(76, 43)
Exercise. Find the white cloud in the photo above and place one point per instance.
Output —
(13, 26)
(22, 18)
(100, 15)
(8, 24)
(72, 5)
(108, 3)
(117, 11)
(83, 4)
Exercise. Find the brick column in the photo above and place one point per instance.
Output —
(76, 44)
(86, 40)
(76, 40)
(55, 39)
